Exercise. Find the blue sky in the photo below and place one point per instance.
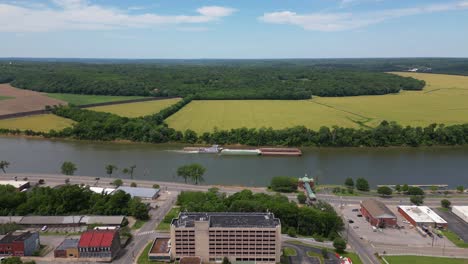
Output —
(233, 29)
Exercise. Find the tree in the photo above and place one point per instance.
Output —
(460, 188)
(398, 188)
(445, 203)
(384, 190)
(362, 185)
(417, 199)
(110, 169)
(68, 168)
(193, 172)
(405, 188)
(349, 182)
(339, 244)
(292, 231)
(415, 191)
(3, 165)
(129, 171)
(301, 197)
(226, 261)
(156, 186)
(133, 184)
(117, 182)
(284, 184)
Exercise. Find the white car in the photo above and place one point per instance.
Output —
(44, 228)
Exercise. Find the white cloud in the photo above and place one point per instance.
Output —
(82, 15)
(340, 21)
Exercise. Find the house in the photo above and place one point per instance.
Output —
(19, 243)
(99, 244)
(377, 213)
(68, 249)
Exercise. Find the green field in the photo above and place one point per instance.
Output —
(455, 239)
(423, 260)
(443, 100)
(81, 99)
(136, 109)
(38, 123)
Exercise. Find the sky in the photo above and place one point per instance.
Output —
(192, 29)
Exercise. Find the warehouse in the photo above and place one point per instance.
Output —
(378, 214)
(98, 244)
(461, 211)
(19, 243)
(143, 193)
(117, 220)
(422, 216)
(51, 221)
(68, 249)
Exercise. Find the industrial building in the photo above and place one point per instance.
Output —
(19, 243)
(245, 237)
(63, 221)
(67, 249)
(461, 211)
(377, 213)
(19, 185)
(160, 250)
(422, 216)
(99, 244)
(143, 193)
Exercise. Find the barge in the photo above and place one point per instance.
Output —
(243, 152)
(280, 152)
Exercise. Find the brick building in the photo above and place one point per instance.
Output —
(378, 214)
(68, 249)
(99, 244)
(19, 243)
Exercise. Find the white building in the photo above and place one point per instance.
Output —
(422, 215)
(20, 185)
(461, 211)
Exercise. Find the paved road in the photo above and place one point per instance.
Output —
(455, 224)
(303, 258)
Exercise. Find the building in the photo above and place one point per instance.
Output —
(422, 216)
(160, 250)
(254, 237)
(19, 185)
(461, 211)
(115, 221)
(99, 244)
(19, 243)
(307, 184)
(190, 260)
(68, 249)
(377, 213)
(101, 190)
(143, 193)
(51, 221)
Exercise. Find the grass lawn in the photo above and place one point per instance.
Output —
(38, 123)
(137, 109)
(423, 260)
(82, 99)
(5, 97)
(443, 100)
(166, 222)
(288, 252)
(353, 256)
(138, 224)
(455, 239)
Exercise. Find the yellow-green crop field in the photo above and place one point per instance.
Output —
(443, 100)
(38, 123)
(136, 109)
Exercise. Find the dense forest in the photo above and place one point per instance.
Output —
(230, 81)
(68, 200)
(320, 220)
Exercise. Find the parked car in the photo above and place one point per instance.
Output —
(350, 221)
(355, 210)
(359, 215)
(44, 228)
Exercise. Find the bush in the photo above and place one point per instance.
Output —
(415, 191)
(292, 231)
(156, 186)
(417, 199)
(284, 184)
(445, 203)
(384, 190)
(117, 182)
(133, 184)
(302, 198)
(339, 244)
(362, 185)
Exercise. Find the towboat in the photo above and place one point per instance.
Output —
(208, 150)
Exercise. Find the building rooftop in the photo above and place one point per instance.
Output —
(377, 209)
(68, 243)
(462, 209)
(161, 246)
(97, 238)
(101, 190)
(10, 219)
(16, 184)
(422, 214)
(15, 236)
(228, 220)
(146, 193)
(190, 260)
(50, 220)
(105, 220)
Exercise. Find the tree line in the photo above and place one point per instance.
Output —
(319, 220)
(228, 81)
(67, 200)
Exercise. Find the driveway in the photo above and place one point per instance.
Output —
(303, 258)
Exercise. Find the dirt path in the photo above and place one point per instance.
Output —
(24, 100)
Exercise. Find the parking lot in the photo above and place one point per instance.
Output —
(405, 235)
(455, 224)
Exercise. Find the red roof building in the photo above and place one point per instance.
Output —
(99, 244)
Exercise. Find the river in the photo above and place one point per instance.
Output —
(436, 165)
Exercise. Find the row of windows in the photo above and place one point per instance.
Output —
(95, 249)
(237, 253)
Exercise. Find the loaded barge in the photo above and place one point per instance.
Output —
(216, 149)
(280, 152)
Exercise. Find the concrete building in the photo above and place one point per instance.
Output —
(117, 220)
(19, 243)
(64, 221)
(377, 213)
(19, 185)
(461, 211)
(68, 249)
(253, 237)
(51, 221)
(143, 193)
(422, 216)
(160, 250)
(99, 245)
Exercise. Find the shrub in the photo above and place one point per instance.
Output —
(417, 199)
(415, 191)
(133, 184)
(445, 203)
(362, 185)
(117, 182)
(339, 244)
(302, 198)
(384, 190)
(156, 186)
(292, 231)
(284, 184)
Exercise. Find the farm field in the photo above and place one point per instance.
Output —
(23, 100)
(83, 99)
(38, 123)
(443, 100)
(423, 260)
(136, 109)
